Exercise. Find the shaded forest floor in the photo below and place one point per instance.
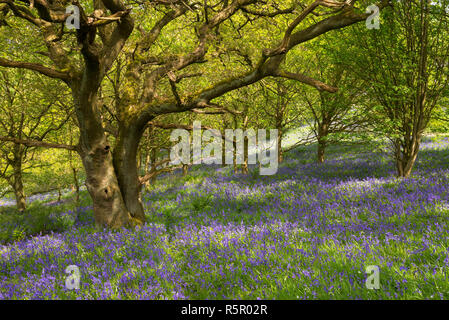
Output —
(307, 232)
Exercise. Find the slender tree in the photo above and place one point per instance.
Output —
(25, 113)
(330, 116)
(280, 107)
(406, 64)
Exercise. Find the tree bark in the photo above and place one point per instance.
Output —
(245, 139)
(95, 152)
(321, 151)
(125, 164)
(153, 165)
(147, 162)
(223, 150)
(185, 170)
(406, 157)
(18, 181)
(76, 184)
(323, 131)
(236, 170)
(279, 146)
(245, 156)
(102, 185)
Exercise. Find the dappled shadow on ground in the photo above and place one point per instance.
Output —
(357, 191)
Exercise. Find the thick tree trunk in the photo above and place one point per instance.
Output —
(125, 164)
(102, 185)
(95, 152)
(404, 166)
(18, 185)
(406, 158)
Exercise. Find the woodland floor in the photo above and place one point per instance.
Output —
(307, 232)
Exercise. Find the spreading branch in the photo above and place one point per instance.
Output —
(37, 143)
(52, 73)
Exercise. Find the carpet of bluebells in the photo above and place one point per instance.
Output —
(308, 232)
